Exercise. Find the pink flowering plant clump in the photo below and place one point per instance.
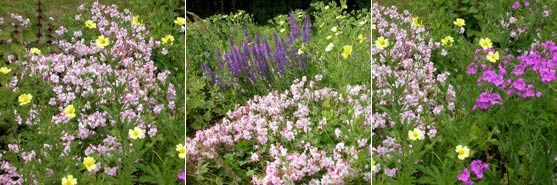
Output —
(99, 111)
(306, 134)
(409, 95)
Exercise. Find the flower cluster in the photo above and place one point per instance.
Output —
(477, 167)
(107, 63)
(267, 123)
(507, 76)
(255, 60)
(401, 64)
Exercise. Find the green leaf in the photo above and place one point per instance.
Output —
(29, 36)
(5, 35)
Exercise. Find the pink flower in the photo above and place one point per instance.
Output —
(478, 167)
(182, 175)
(516, 5)
(464, 176)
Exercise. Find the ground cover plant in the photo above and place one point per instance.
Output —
(287, 102)
(97, 101)
(463, 92)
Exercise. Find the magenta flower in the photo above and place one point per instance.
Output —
(472, 69)
(478, 167)
(516, 5)
(519, 84)
(486, 99)
(464, 176)
(182, 175)
(526, 3)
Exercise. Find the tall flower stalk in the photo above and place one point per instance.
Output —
(255, 60)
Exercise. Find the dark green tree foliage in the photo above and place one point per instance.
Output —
(262, 10)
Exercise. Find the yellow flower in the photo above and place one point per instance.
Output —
(90, 24)
(69, 111)
(329, 47)
(168, 39)
(102, 41)
(372, 165)
(181, 151)
(485, 43)
(447, 41)
(327, 7)
(25, 99)
(373, 26)
(136, 133)
(416, 134)
(5, 70)
(459, 22)
(334, 29)
(180, 21)
(382, 43)
(282, 30)
(69, 180)
(463, 152)
(347, 51)
(35, 51)
(416, 22)
(89, 163)
(361, 38)
(136, 21)
(329, 37)
(493, 57)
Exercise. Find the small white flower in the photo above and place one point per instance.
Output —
(329, 47)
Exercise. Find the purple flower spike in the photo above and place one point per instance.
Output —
(294, 27)
(307, 30)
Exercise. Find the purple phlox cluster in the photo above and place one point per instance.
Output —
(477, 166)
(254, 59)
(541, 60)
(485, 100)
